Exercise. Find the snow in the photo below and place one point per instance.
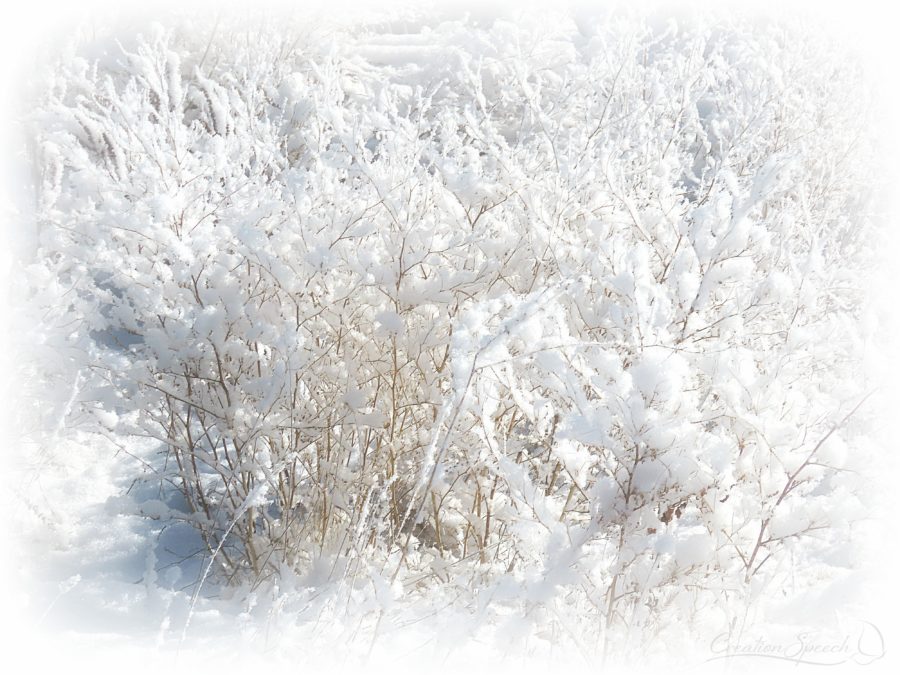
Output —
(694, 549)
(538, 340)
(389, 323)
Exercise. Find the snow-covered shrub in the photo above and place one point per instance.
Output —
(567, 308)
